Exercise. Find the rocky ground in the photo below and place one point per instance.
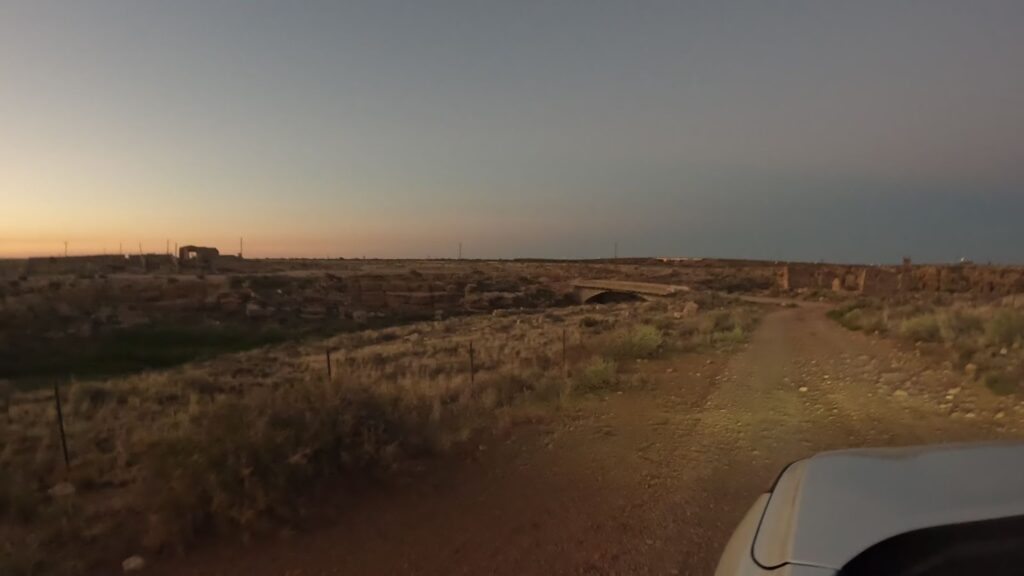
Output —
(646, 480)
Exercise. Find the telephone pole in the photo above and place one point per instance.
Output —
(241, 245)
(65, 248)
(615, 253)
(460, 250)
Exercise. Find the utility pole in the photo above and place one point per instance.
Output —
(168, 247)
(460, 250)
(120, 248)
(140, 248)
(615, 254)
(65, 248)
(240, 246)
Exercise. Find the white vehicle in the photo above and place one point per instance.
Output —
(922, 511)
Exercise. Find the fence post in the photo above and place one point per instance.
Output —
(329, 375)
(565, 371)
(472, 367)
(60, 422)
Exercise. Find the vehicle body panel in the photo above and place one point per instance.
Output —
(828, 508)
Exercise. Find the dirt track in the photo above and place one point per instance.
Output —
(647, 481)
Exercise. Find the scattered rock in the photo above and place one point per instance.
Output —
(1003, 351)
(970, 414)
(62, 490)
(953, 391)
(900, 394)
(802, 388)
(999, 415)
(133, 563)
(892, 377)
(256, 310)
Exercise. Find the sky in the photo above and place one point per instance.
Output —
(843, 131)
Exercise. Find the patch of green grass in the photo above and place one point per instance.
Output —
(735, 336)
(923, 328)
(599, 373)
(723, 327)
(1005, 328)
(127, 351)
(642, 341)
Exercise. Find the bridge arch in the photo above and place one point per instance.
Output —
(596, 296)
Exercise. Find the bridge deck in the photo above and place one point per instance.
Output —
(634, 287)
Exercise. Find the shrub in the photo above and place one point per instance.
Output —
(717, 321)
(18, 501)
(734, 336)
(724, 327)
(21, 561)
(852, 320)
(1003, 383)
(958, 325)
(547, 388)
(597, 374)
(921, 329)
(243, 463)
(965, 353)
(643, 341)
(87, 397)
(6, 393)
(1005, 328)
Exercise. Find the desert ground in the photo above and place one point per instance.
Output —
(506, 428)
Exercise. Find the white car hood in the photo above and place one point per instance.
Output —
(828, 508)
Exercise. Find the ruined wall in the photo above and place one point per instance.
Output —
(969, 278)
(79, 265)
(878, 281)
(882, 280)
(820, 277)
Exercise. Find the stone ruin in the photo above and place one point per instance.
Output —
(198, 254)
(883, 280)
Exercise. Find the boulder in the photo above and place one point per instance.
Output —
(133, 563)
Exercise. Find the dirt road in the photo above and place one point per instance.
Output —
(649, 480)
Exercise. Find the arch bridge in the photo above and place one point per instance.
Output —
(604, 291)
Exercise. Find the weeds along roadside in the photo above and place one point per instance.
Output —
(982, 338)
(230, 446)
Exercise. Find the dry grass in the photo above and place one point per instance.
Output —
(982, 337)
(598, 373)
(231, 445)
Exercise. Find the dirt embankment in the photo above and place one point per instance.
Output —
(643, 481)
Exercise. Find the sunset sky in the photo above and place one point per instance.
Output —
(847, 131)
